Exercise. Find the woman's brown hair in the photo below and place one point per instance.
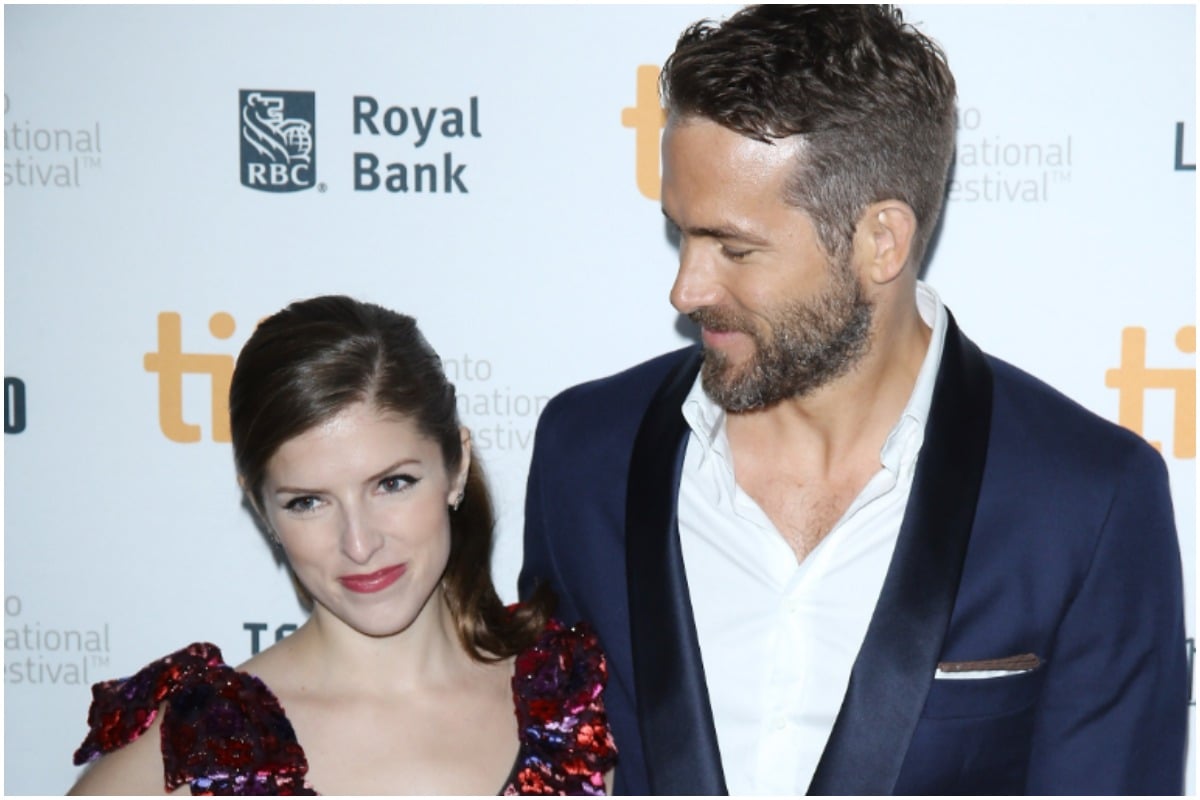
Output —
(312, 360)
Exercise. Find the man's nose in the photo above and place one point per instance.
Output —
(696, 284)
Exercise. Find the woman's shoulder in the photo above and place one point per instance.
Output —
(215, 721)
(558, 689)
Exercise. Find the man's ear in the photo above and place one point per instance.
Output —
(884, 239)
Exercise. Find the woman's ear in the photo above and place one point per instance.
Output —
(458, 486)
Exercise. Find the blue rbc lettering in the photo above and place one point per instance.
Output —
(395, 120)
(424, 176)
(370, 119)
(14, 405)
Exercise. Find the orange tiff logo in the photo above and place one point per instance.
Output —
(647, 119)
(1132, 379)
(171, 364)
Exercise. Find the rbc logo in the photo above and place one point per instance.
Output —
(278, 140)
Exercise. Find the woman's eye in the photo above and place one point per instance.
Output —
(396, 483)
(300, 505)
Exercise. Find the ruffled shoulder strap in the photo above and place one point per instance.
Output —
(123, 709)
(223, 731)
(558, 689)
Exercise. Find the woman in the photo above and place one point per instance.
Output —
(405, 677)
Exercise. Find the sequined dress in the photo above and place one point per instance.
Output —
(224, 732)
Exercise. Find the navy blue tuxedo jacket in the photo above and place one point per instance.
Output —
(1033, 526)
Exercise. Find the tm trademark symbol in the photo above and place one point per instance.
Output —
(92, 161)
(321, 187)
(1063, 176)
(99, 661)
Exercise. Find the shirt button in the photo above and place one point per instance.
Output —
(779, 723)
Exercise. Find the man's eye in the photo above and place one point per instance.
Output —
(733, 254)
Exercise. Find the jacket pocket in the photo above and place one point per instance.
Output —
(968, 698)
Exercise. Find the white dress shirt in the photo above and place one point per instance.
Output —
(777, 637)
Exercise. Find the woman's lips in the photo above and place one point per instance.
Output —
(375, 581)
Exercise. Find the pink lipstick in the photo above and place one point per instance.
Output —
(375, 582)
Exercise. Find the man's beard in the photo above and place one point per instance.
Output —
(810, 344)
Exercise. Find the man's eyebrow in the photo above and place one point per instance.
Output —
(719, 232)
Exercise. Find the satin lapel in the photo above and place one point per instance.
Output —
(674, 716)
(899, 655)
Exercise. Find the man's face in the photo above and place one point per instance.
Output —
(778, 319)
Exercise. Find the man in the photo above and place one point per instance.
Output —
(837, 548)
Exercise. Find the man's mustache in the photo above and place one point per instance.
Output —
(719, 320)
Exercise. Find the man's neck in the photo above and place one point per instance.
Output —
(846, 421)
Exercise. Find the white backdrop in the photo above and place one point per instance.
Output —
(540, 261)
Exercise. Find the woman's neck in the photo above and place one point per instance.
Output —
(336, 658)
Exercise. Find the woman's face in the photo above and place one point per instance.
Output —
(361, 507)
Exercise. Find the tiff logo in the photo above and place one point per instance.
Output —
(171, 364)
(647, 119)
(278, 140)
(1132, 379)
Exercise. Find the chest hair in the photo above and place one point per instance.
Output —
(804, 510)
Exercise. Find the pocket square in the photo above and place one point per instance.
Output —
(987, 667)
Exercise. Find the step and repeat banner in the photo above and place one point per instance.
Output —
(172, 174)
